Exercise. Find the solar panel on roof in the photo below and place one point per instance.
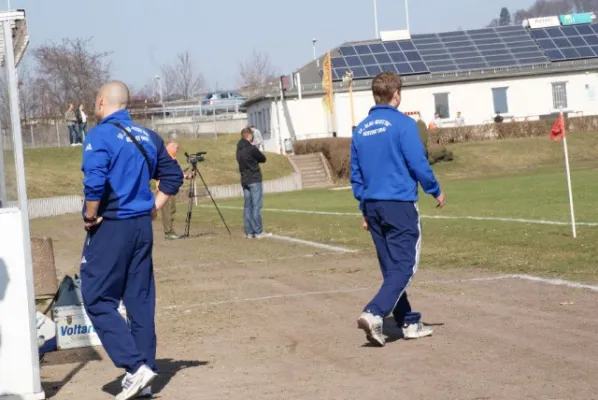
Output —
(479, 49)
(368, 60)
(568, 42)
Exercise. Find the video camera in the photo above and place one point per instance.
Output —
(193, 159)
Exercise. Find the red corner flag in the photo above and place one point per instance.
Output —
(558, 129)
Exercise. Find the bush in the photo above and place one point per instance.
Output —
(440, 154)
(338, 153)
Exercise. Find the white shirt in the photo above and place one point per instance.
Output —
(83, 116)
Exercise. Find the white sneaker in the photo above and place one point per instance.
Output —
(133, 384)
(147, 392)
(416, 331)
(372, 325)
(249, 236)
(262, 235)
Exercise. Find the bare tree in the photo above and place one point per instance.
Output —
(182, 79)
(257, 71)
(68, 72)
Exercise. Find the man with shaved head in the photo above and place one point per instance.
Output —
(120, 159)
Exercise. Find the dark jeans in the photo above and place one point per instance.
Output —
(74, 136)
(252, 212)
(82, 128)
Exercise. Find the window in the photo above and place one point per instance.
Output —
(559, 95)
(499, 98)
(441, 104)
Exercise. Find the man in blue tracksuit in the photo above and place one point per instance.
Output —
(119, 160)
(387, 162)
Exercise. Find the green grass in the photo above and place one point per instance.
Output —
(513, 188)
(57, 171)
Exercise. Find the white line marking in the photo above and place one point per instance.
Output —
(251, 260)
(278, 296)
(556, 282)
(466, 217)
(342, 188)
(314, 244)
(553, 282)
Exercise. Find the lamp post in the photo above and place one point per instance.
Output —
(159, 83)
(407, 15)
(348, 78)
(313, 43)
(376, 18)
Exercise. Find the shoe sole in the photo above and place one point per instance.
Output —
(364, 325)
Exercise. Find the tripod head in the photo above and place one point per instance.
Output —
(193, 159)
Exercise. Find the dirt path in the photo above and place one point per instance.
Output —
(243, 319)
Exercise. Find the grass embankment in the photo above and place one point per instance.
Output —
(522, 178)
(57, 171)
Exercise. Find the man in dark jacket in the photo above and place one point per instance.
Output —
(249, 158)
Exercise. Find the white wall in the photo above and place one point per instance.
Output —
(527, 97)
(19, 368)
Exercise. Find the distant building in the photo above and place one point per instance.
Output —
(518, 72)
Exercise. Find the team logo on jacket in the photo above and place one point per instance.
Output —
(374, 127)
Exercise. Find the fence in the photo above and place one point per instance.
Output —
(38, 135)
(52, 207)
(55, 206)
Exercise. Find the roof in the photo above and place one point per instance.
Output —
(526, 51)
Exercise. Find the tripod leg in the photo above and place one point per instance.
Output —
(190, 206)
(213, 201)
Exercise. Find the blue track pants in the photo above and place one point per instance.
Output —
(396, 232)
(117, 264)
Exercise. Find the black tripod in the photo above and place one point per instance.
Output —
(192, 186)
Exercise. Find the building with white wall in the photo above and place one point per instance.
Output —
(532, 84)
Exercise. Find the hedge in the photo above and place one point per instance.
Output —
(507, 130)
(338, 150)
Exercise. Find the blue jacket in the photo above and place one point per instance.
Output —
(388, 158)
(116, 173)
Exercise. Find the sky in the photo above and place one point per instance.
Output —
(219, 35)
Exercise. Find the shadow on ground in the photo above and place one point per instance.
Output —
(167, 369)
(80, 357)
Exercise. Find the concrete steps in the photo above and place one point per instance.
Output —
(314, 170)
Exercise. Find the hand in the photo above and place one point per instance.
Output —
(89, 225)
(441, 199)
(364, 224)
(154, 213)
(187, 176)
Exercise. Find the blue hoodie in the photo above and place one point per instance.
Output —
(388, 158)
(116, 173)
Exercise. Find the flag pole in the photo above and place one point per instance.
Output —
(569, 180)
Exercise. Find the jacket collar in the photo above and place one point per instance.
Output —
(385, 107)
(120, 115)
